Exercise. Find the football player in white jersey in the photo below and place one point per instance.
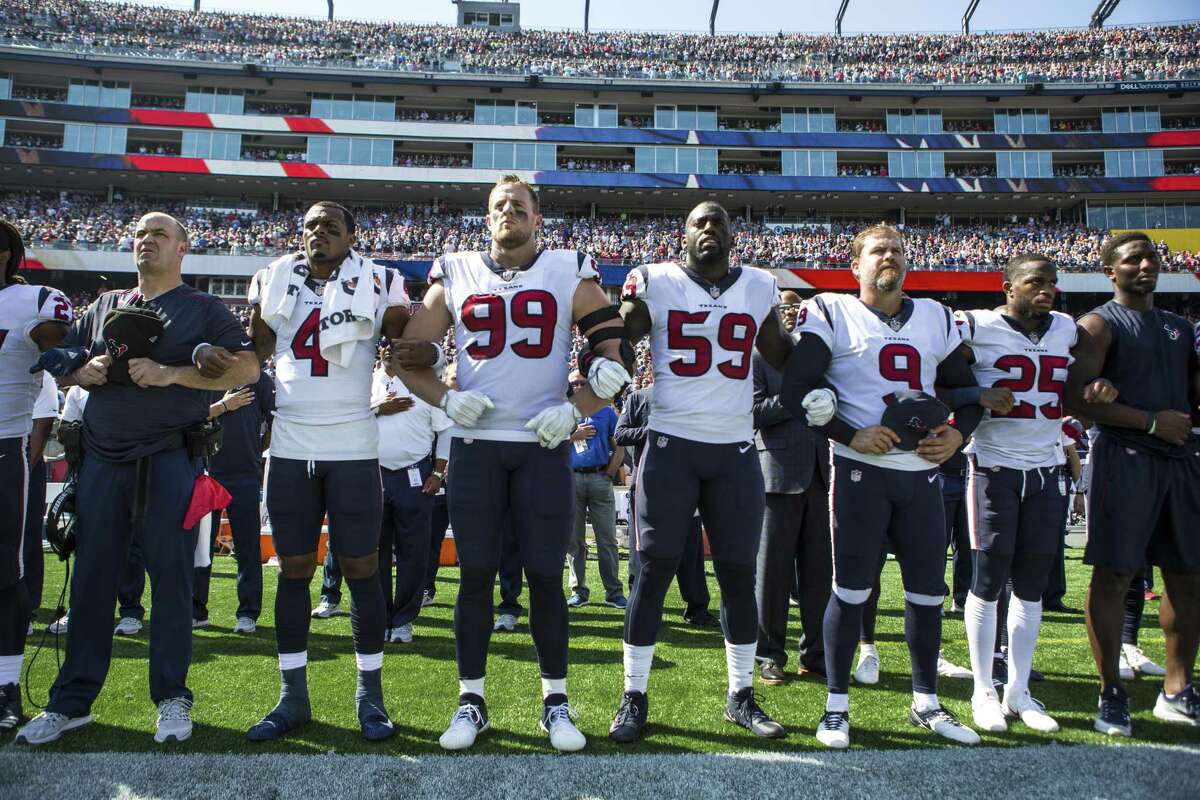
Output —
(34, 320)
(325, 450)
(705, 320)
(869, 347)
(512, 309)
(1016, 492)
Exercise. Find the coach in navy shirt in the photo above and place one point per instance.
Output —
(137, 476)
(595, 458)
(245, 417)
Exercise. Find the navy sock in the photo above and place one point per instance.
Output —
(923, 631)
(293, 696)
(293, 608)
(368, 614)
(841, 627)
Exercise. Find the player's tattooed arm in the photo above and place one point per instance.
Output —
(773, 340)
(261, 334)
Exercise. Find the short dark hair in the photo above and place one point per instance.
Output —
(1021, 260)
(15, 247)
(350, 225)
(1108, 251)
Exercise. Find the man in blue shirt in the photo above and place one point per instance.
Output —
(595, 458)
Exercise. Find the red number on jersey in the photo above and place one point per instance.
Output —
(735, 333)
(1028, 373)
(306, 344)
(62, 309)
(534, 309)
(901, 363)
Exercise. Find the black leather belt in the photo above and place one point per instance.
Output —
(589, 470)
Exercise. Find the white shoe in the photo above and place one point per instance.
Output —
(505, 622)
(867, 671)
(1124, 670)
(245, 625)
(834, 729)
(467, 723)
(199, 624)
(29, 630)
(325, 610)
(1183, 707)
(426, 599)
(402, 634)
(174, 720)
(128, 626)
(48, 726)
(1030, 711)
(59, 626)
(944, 724)
(564, 736)
(988, 713)
(1138, 662)
(948, 669)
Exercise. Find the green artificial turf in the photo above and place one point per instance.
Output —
(235, 680)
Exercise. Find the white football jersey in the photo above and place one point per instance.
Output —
(1034, 368)
(322, 410)
(23, 308)
(875, 356)
(512, 331)
(701, 345)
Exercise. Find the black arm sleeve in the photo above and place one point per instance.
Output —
(955, 373)
(804, 371)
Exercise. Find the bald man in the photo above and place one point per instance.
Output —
(138, 472)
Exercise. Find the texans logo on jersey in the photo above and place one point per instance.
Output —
(1172, 333)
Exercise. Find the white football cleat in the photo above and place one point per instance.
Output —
(948, 669)
(402, 634)
(988, 713)
(834, 729)
(1030, 711)
(867, 671)
(174, 720)
(558, 722)
(128, 626)
(59, 626)
(944, 724)
(245, 625)
(505, 622)
(1138, 663)
(468, 722)
(325, 610)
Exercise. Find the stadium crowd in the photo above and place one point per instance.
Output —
(1116, 53)
(47, 219)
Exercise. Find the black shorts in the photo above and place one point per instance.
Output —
(14, 477)
(724, 481)
(872, 507)
(1016, 511)
(491, 479)
(1142, 508)
(300, 493)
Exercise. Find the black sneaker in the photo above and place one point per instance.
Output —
(10, 706)
(1113, 717)
(999, 672)
(742, 709)
(627, 726)
(1183, 707)
(771, 674)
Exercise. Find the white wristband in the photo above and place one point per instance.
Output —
(441, 356)
(195, 350)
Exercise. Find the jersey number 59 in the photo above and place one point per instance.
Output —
(735, 333)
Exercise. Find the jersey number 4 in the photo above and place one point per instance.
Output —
(306, 344)
(1029, 373)
(735, 333)
(533, 309)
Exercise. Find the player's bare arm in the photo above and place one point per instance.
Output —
(998, 401)
(1086, 393)
(261, 335)
(49, 334)
(954, 372)
(414, 355)
(773, 341)
(608, 361)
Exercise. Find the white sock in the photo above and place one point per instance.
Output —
(553, 686)
(739, 663)
(368, 662)
(292, 660)
(1024, 621)
(980, 618)
(837, 702)
(10, 669)
(470, 686)
(865, 649)
(925, 702)
(638, 659)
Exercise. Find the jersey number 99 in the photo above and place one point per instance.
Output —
(533, 309)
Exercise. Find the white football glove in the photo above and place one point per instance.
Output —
(554, 424)
(819, 406)
(606, 377)
(465, 408)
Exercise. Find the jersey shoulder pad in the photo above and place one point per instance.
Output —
(254, 291)
(965, 322)
(583, 264)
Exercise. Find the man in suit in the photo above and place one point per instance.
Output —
(631, 431)
(795, 545)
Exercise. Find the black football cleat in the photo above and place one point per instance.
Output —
(630, 721)
(742, 709)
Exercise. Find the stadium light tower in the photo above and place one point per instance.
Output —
(1103, 11)
(587, 12)
(837, 24)
(330, 2)
(712, 19)
(974, 4)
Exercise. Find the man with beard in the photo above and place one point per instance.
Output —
(1144, 494)
(512, 309)
(705, 319)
